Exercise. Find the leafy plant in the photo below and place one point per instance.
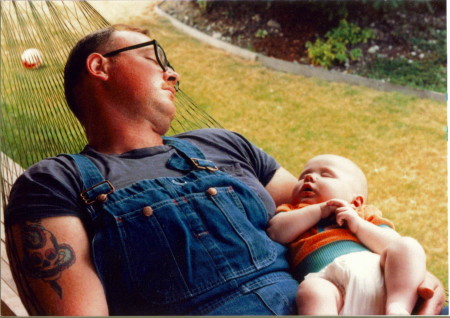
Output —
(337, 48)
(261, 33)
(350, 33)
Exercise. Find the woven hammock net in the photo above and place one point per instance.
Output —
(35, 120)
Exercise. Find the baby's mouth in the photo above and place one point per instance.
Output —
(307, 190)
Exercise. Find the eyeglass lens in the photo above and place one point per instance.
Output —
(161, 57)
(163, 61)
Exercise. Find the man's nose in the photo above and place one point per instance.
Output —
(171, 76)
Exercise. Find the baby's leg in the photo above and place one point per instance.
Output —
(404, 265)
(318, 296)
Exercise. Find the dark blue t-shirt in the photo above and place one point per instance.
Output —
(52, 186)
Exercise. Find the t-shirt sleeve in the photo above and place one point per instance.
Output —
(48, 188)
(264, 165)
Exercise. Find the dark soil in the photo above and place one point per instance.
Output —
(281, 29)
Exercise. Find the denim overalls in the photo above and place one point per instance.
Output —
(184, 245)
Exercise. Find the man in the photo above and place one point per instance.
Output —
(140, 224)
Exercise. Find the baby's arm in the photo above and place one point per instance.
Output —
(284, 227)
(376, 238)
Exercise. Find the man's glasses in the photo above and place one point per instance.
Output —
(159, 53)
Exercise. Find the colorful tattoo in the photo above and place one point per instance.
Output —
(45, 258)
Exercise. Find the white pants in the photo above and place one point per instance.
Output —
(360, 280)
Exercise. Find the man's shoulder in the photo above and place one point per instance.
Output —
(52, 165)
(47, 188)
(49, 172)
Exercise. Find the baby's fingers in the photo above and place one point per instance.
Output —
(341, 218)
(341, 210)
(336, 202)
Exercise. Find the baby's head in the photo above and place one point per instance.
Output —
(328, 177)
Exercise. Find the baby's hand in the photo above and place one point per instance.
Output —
(327, 209)
(338, 203)
(330, 206)
(345, 212)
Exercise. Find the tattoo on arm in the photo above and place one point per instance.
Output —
(45, 258)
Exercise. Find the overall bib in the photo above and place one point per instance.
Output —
(184, 245)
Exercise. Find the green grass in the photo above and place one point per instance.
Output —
(418, 74)
(399, 141)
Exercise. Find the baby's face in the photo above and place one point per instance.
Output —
(325, 177)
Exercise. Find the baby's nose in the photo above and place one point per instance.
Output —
(310, 178)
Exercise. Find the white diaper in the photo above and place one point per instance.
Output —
(360, 280)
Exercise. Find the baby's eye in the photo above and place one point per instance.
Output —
(326, 174)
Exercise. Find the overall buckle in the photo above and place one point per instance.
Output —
(197, 163)
(88, 201)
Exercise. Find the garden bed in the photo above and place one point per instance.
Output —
(408, 46)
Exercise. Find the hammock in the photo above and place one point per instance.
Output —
(35, 121)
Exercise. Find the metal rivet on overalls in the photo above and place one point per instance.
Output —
(147, 211)
(212, 191)
(102, 198)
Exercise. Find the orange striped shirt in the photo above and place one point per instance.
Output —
(319, 236)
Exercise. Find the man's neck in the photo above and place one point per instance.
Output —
(118, 140)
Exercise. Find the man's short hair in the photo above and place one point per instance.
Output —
(75, 67)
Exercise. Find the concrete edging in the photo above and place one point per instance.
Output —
(301, 69)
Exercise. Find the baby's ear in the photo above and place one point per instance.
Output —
(358, 201)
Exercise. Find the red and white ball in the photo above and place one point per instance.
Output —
(32, 58)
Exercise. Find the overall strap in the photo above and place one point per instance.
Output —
(192, 156)
(95, 187)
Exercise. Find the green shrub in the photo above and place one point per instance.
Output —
(261, 33)
(337, 48)
(436, 44)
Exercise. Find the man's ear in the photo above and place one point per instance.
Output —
(97, 66)
(358, 201)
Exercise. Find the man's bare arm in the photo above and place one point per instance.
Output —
(281, 185)
(52, 267)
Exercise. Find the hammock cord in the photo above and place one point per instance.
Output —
(35, 120)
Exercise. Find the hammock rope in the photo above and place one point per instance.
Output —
(35, 120)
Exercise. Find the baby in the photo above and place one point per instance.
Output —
(348, 258)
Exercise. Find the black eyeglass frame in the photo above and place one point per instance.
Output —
(137, 46)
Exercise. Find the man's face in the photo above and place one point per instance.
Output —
(140, 86)
(322, 179)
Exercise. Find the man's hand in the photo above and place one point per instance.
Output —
(432, 296)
